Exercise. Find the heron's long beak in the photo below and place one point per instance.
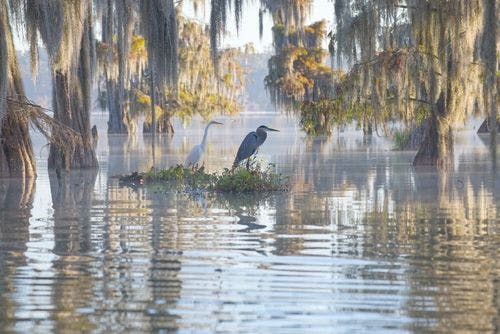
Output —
(269, 129)
(218, 123)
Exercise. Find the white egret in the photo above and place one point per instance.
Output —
(194, 157)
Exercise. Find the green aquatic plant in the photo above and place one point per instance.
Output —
(402, 139)
(254, 179)
(180, 176)
(240, 180)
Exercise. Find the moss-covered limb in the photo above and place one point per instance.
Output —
(383, 85)
(160, 28)
(241, 180)
(297, 71)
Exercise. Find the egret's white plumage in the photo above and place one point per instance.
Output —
(194, 157)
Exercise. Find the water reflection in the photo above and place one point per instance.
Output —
(361, 235)
(16, 200)
(72, 199)
(462, 277)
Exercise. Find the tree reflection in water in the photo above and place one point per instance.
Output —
(72, 196)
(16, 201)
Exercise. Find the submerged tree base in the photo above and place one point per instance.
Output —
(485, 127)
(240, 180)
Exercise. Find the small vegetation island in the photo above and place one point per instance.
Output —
(240, 180)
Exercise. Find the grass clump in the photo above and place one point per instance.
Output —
(250, 180)
(240, 180)
(401, 139)
(180, 176)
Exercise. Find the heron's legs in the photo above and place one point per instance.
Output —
(248, 163)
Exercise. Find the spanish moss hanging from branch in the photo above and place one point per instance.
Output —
(413, 54)
(218, 18)
(159, 20)
(118, 21)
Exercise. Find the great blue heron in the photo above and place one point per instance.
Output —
(197, 151)
(250, 144)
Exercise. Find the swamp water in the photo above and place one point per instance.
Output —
(361, 242)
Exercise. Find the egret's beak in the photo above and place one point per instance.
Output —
(269, 129)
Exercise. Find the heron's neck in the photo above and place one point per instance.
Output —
(261, 135)
(205, 135)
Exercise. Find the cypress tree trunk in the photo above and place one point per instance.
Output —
(116, 122)
(485, 126)
(367, 129)
(71, 100)
(436, 148)
(16, 153)
(489, 52)
(163, 125)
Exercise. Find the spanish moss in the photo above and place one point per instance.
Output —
(159, 20)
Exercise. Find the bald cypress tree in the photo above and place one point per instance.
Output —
(411, 56)
(16, 153)
(72, 77)
(65, 27)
